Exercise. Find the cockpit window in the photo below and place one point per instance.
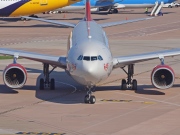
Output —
(87, 58)
(93, 58)
(80, 57)
(100, 58)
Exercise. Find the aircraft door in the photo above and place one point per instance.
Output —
(43, 2)
(69, 42)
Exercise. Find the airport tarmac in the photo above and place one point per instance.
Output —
(116, 112)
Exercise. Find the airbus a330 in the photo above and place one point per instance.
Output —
(89, 59)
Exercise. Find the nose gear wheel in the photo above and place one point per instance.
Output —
(89, 98)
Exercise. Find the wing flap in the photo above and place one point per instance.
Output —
(132, 59)
(51, 21)
(52, 60)
(123, 22)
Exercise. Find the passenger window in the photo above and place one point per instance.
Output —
(93, 58)
(100, 58)
(87, 58)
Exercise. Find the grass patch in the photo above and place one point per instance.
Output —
(4, 57)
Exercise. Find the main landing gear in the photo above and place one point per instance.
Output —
(130, 83)
(34, 16)
(46, 82)
(24, 19)
(111, 11)
(89, 98)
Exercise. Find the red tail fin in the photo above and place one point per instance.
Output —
(88, 11)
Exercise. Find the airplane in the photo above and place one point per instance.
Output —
(12, 8)
(89, 60)
(112, 6)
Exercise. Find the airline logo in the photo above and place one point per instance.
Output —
(71, 67)
(106, 66)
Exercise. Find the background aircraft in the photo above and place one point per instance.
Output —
(30, 7)
(89, 59)
(113, 5)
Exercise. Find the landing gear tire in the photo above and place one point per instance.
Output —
(123, 84)
(41, 85)
(92, 99)
(86, 99)
(24, 19)
(46, 82)
(115, 11)
(34, 16)
(134, 85)
(52, 84)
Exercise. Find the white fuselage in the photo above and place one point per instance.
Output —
(89, 59)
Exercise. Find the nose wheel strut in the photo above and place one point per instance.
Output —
(46, 81)
(89, 98)
(130, 82)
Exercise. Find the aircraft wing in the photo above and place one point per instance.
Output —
(52, 60)
(51, 21)
(122, 61)
(123, 22)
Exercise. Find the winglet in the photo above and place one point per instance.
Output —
(88, 11)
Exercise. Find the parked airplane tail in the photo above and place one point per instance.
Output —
(88, 11)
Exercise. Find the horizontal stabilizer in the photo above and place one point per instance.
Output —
(123, 22)
(51, 21)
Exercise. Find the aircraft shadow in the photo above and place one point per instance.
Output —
(5, 90)
(70, 92)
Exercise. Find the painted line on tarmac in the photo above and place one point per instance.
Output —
(142, 28)
(127, 101)
(116, 117)
(38, 133)
(115, 100)
(130, 112)
(75, 89)
(160, 101)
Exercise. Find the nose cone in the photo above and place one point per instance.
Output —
(89, 73)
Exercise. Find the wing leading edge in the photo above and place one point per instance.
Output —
(122, 61)
(59, 61)
(102, 25)
(51, 21)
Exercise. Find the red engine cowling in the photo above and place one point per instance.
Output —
(162, 77)
(15, 76)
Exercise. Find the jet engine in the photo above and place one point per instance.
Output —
(15, 76)
(162, 77)
(94, 9)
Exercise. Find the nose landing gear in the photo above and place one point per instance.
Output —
(89, 98)
(130, 83)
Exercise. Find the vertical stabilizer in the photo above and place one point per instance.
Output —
(88, 11)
